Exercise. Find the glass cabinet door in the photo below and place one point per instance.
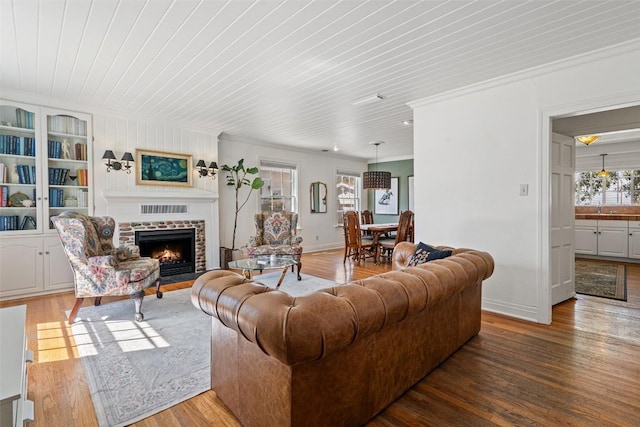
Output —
(19, 153)
(67, 175)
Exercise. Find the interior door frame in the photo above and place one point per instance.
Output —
(547, 115)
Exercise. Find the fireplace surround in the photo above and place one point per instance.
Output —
(127, 236)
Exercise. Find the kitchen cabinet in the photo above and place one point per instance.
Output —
(634, 239)
(586, 236)
(613, 238)
(602, 237)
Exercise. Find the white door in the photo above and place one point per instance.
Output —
(562, 218)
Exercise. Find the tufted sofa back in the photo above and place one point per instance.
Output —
(294, 330)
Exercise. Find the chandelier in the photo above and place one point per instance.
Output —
(376, 180)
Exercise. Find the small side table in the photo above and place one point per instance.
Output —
(249, 265)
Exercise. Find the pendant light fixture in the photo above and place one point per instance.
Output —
(588, 139)
(376, 180)
(603, 172)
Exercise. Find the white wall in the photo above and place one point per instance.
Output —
(117, 194)
(472, 149)
(317, 230)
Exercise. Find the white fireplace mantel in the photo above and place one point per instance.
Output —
(128, 196)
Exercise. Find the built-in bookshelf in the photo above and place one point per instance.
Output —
(44, 166)
(45, 169)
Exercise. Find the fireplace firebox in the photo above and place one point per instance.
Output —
(175, 249)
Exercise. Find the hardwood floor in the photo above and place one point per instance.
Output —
(583, 369)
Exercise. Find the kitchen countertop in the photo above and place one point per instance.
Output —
(612, 216)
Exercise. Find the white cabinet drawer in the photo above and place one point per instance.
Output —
(613, 223)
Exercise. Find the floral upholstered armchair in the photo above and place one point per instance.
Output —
(101, 269)
(276, 234)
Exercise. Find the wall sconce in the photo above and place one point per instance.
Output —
(203, 170)
(116, 166)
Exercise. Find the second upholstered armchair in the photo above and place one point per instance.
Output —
(276, 234)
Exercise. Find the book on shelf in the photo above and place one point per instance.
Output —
(67, 124)
(17, 145)
(81, 196)
(24, 118)
(4, 196)
(26, 174)
(8, 222)
(83, 177)
(28, 220)
(81, 151)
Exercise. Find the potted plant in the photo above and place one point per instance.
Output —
(239, 177)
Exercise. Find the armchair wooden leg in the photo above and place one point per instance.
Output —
(158, 293)
(74, 310)
(97, 301)
(137, 299)
(299, 267)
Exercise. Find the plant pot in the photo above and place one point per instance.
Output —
(228, 254)
(225, 257)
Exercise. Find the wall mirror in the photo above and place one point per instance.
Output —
(318, 197)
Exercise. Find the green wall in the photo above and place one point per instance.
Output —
(401, 169)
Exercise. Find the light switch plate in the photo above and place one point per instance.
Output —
(524, 189)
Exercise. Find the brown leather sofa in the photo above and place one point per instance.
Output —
(338, 356)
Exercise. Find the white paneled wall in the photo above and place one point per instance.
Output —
(118, 195)
(122, 134)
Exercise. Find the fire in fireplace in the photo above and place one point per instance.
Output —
(175, 249)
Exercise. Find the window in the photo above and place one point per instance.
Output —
(280, 189)
(347, 193)
(619, 188)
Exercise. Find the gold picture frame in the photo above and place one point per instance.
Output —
(164, 168)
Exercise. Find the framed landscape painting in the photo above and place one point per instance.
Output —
(162, 168)
(386, 202)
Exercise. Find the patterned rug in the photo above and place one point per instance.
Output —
(601, 279)
(136, 369)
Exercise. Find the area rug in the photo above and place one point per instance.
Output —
(136, 369)
(291, 285)
(601, 279)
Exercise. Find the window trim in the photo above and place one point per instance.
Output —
(358, 198)
(295, 196)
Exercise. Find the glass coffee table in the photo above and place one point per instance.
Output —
(249, 265)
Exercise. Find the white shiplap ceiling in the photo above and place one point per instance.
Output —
(287, 72)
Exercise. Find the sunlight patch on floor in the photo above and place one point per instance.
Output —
(135, 336)
(52, 342)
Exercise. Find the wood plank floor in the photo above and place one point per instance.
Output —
(582, 370)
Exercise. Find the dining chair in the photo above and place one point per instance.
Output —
(366, 218)
(404, 234)
(354, 246)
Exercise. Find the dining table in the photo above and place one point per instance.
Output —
(376, 231)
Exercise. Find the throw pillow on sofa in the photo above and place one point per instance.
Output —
(425, 253)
